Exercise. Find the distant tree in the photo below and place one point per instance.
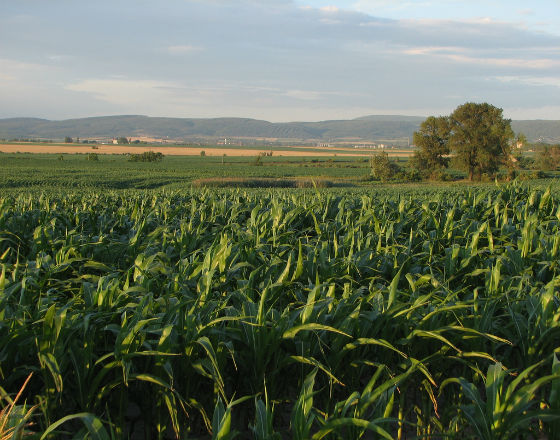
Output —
(122, 140)
(202, 153)
(258, 162)
(147, 156)
(480, 138)
(383, 168)
(548, 158)
(68, 140)
(432, 139)
(520, 140)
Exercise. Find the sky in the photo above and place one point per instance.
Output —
(278, 60)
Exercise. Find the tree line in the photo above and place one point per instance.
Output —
(475, 138)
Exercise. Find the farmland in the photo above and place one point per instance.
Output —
(193, 150)
(74, 171)
(339, 313)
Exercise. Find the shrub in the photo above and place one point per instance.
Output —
(147, 156)
(548, 158)
(441, 176)
(383, 168)
(257, 162)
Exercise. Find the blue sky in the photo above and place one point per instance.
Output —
(278, 60)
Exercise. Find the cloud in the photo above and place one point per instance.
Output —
(519, 63)
(461, 55)
(548, 81)
(182, 49)
(268, 58)
(433, 50)
(542, 112)
(305, 95)
(128, 92)
(26, 74)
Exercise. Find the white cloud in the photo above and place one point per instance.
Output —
(432, 50)
(330, 21)
(273, 56)
(520, 63)
(305, 95)
(373, 6)
(478, 57)
(182, 49)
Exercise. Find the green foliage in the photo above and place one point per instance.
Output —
(441, 176)
(122, 140)
(41, 172)
(383, 168)
(432, 139)
(477, 135)
(480, 138)
(258, 161)
(508, 408)
(547, 158)
(349, 313)
(263, 429)
(92, 157)
(148, 156)
(15, 420)
(523, 161)
(233, 182)
(68, 140)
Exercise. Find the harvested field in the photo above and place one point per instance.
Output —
(189, 151)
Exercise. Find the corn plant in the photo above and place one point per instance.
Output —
(282, 314)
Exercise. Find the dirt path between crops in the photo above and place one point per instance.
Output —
(185, 151)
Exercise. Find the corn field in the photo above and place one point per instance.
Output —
(281, 315)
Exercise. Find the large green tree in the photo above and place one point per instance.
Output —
(480, 138)
(432, 140)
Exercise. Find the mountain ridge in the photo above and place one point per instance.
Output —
(368, 128)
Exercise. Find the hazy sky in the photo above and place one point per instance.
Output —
(279, 60)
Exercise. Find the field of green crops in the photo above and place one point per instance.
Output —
(74, 172)
(276, 314)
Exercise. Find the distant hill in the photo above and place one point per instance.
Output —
(538, 130)
(363, 129)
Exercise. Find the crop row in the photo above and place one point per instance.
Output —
(276, 314)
